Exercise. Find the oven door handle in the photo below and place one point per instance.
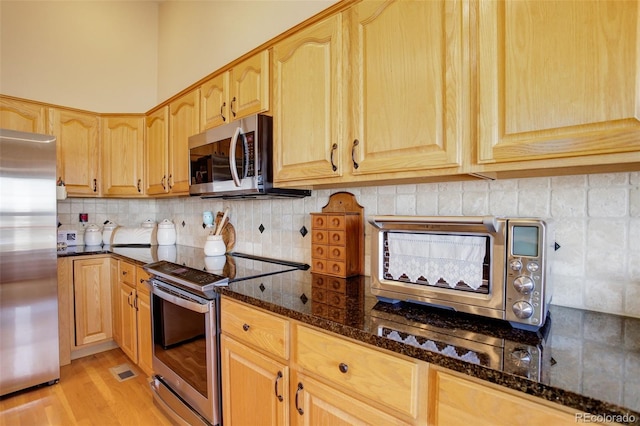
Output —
(180, 301)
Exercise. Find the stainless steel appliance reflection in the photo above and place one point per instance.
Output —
(485, 342)
(186, 332)
(28, 279)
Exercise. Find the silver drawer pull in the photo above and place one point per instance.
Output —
(343, 367)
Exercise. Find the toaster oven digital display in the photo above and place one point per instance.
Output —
(525, 241)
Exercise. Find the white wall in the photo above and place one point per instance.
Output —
(95, 55)
(129, 56)
(597, 220)
(196, 38)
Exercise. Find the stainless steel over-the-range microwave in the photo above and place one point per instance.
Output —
(484, 265)
(235, 160)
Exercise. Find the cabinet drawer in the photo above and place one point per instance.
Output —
(128, 273)
(318, 221)
(319, 237)
(255, 328)
(319, 251)
(337, 238)
(376, 376)
(336, 222)
(337, 253)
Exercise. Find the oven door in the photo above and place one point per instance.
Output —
(185, 354)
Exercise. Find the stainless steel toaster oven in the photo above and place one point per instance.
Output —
(484, 265)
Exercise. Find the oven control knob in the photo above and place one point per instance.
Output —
(516, 265)
(522, 309)
(524, 284)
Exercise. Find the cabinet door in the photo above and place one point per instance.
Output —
(22, 116)
(145, 344)
(318, 404)
(122, 155)
(254, 387)
(184, 121)
(92, 300)
(558, 79)
(78, 150)
(128, 330)
(307, 103)
(157, 152)
(214, 104)
(407, 99)
(249, 86)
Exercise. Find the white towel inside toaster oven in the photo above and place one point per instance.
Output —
(452, 258)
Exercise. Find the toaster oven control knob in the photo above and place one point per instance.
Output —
(522, 309)
(516, 265)
(524, 284)
(521, 358)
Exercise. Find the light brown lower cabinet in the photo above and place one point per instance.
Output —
(132, 314)
(277, 371)
(347, 383)
(91, 300)
(251, 386)
(456, 399)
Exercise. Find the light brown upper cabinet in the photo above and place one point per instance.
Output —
(308, 102)
(184, 121)
(557, 83)
(374, 93)
(241, 91)
(156, 151)
(406, 98)
(167, 145)
(78, 150)
(123, 155)
(22, 115)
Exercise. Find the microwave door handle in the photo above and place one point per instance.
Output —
(232, 156)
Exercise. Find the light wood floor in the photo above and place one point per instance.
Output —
(88, 394)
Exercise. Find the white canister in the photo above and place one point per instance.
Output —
(92, 235)
(107, 231)
(166, 233)
(148, 224)
(214, 246)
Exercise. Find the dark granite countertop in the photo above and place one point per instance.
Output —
(585, 360)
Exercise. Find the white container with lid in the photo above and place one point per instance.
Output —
(166, 233)
(92, 235)
(214, 246)
(107, 231)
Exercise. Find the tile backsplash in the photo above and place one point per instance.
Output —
(597, 221)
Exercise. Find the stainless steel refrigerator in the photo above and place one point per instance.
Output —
(28, 279)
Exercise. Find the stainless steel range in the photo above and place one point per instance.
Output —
(186, 332)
